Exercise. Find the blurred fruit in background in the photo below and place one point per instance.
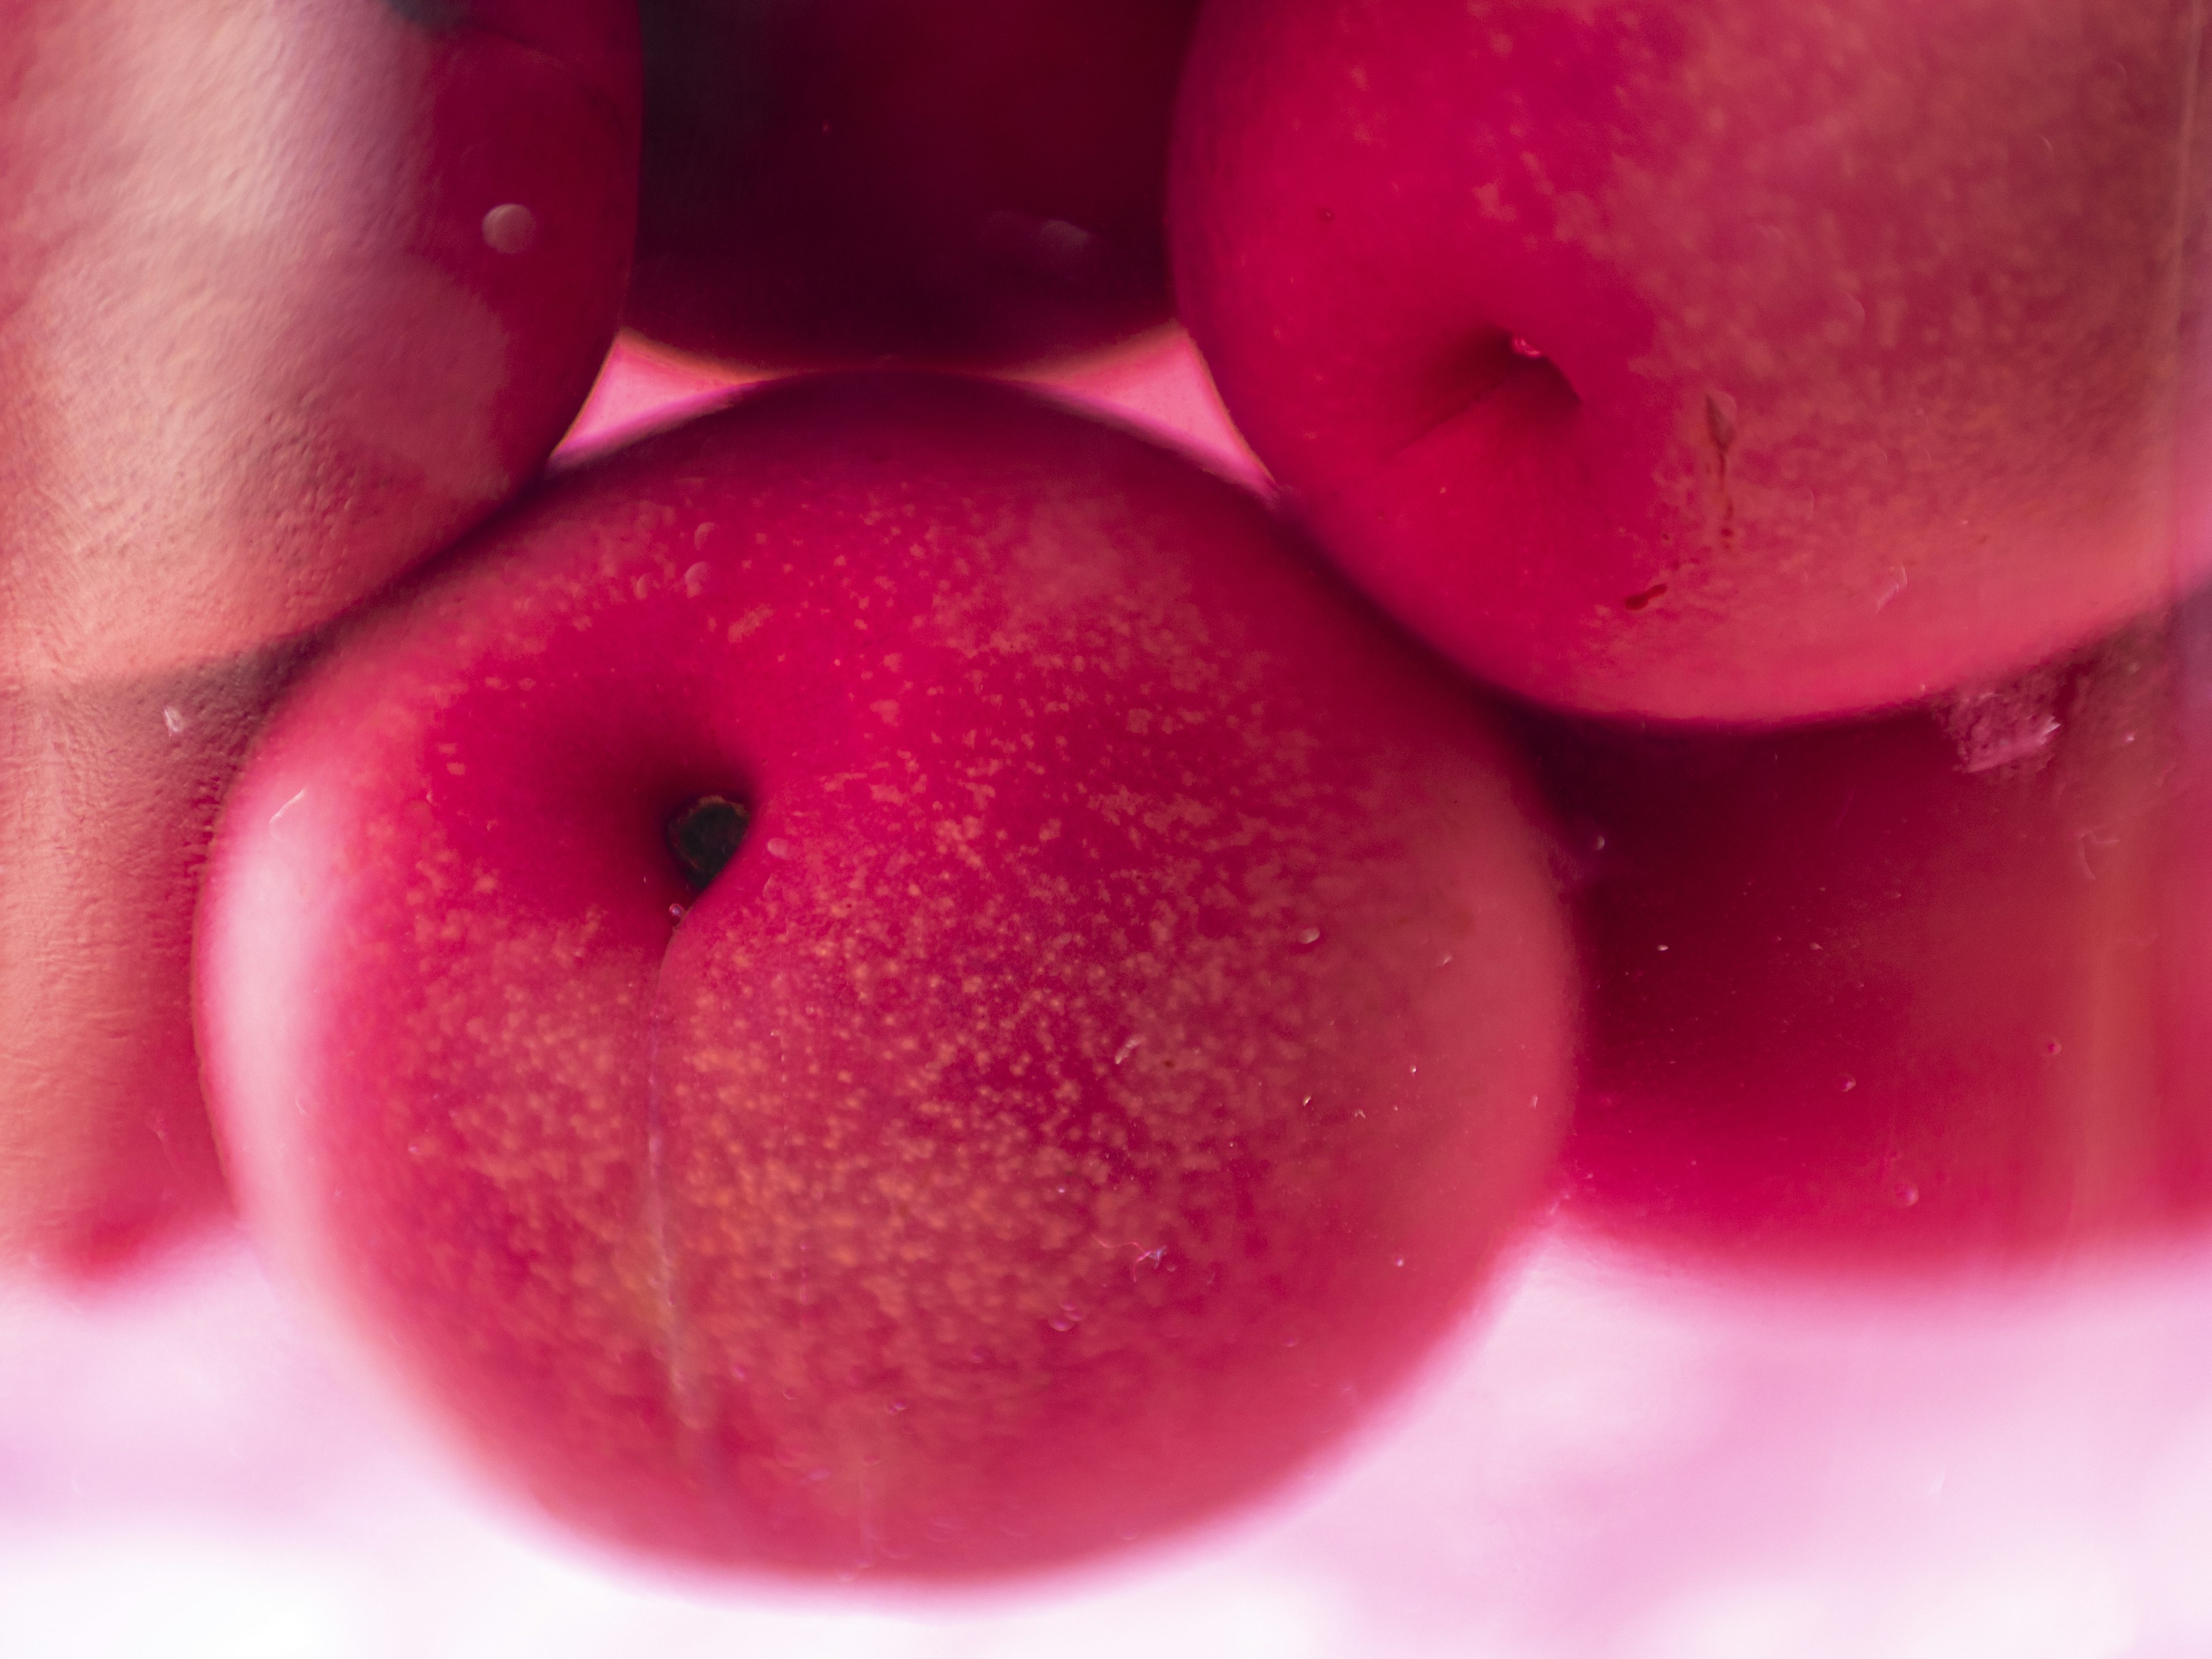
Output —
(855, 181)
(1924, 990)
(1716, 360)
(289, 297)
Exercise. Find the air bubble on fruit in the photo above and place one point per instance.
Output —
(695, 581)
(1908, 1195)
(1308, 935)
(778, 847)
(510, 228)
(895, 1407)
(2003, 725)
(1849, 1083)
(1528, 348)
(1055, 246)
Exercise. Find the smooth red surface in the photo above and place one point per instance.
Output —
(1135, 1018)
(289, 297)
(1866, 336)
(850, 181)
(1922, 991)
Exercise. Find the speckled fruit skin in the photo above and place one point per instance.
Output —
(851, 181)
(1132, 1023)
(289, 297)
(1905, 994)
(1868, 334)
(108, 797)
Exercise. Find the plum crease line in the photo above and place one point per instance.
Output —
(683, 1386)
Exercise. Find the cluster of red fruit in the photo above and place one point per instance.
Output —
(895, 977)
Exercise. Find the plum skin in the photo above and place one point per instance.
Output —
(1706, 359)
(1134, 1021)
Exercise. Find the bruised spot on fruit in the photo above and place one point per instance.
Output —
(706, 836)
(1639, 601)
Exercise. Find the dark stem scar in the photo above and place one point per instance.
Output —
(705, 835)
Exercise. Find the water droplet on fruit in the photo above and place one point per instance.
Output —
(1398, 1262)
(1849, 1083)
(695, 581)
(173, 718)
(1308, 936)
(1908, 1195)
(778, 847)
(895, 1407)
(510, 227)
(1523, 347)
(1127, 1048)
(2051, 1047)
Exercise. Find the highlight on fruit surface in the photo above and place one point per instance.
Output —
(291, 296)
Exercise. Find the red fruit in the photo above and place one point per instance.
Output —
(290, 296)
(1911, 992)
(845, 181)
(1713, 359)
(108, 795)
(1133, 1015)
